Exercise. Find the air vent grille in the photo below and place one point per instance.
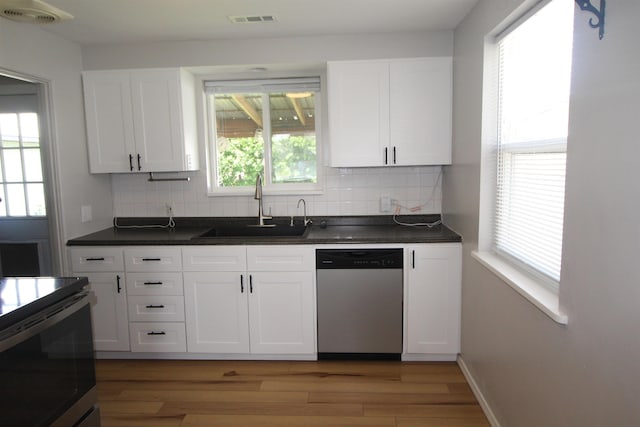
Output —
(33, 11)
(254, 19)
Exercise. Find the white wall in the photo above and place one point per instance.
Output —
(27, 50)
(348, 191)
(530, 370)
(291, 50)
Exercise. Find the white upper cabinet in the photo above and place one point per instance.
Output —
(390, 112)
(140, 120)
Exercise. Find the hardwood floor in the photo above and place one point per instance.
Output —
(190, 393)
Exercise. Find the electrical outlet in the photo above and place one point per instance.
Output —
(385, 204)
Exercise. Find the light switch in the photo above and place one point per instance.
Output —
(86, 213)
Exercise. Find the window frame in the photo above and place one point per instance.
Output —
(539, 289)
(252, 85)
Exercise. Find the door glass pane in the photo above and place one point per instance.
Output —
(239, 143)
(9, 135)
(32, 165)
(29, 130)
(35, 194)
(15, 200)
(12, 165)
(293, 137)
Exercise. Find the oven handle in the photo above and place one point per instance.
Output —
(37, 323)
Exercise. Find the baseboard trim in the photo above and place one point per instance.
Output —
(476, 391)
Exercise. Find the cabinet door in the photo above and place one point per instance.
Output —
(109, 313)
(110, 135)
(433, 298)
(282, 313)
(420, 111)
(217, 319)
(358, 94)
(157, 122)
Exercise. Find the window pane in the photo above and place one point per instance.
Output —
(293, 140)
(536, 75)
(29, 130)
(12, 165)
(32, 165)
(9, 135)
(239, 142)
(35, 194)
(15, 200)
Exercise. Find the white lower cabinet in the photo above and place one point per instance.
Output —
(231, 308)
(155, 299)
(433, 300)
(104, 268)
(217, 316)
(250, 300)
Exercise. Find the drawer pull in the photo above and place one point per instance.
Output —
(101, 258)
(156, 333)
(151, 259)
(152, 283)
(155, 306)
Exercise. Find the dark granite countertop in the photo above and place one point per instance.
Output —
(324, 230)
(21, 297)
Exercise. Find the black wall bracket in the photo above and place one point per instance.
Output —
(598, 21)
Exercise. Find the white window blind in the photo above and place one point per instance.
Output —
(533, 105)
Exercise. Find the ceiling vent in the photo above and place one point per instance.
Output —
(32, 11)
(255, 19)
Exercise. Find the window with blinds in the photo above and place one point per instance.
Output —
(533, 105)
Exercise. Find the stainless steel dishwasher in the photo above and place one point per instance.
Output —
(359, 303)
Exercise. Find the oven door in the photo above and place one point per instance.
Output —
(47, 367)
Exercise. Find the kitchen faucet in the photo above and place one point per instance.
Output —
(304, 204)
(258, 197)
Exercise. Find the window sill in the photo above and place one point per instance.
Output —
(545, 299)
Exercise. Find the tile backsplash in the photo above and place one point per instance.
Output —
(347, 191)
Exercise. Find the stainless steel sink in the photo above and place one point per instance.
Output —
(252, 230)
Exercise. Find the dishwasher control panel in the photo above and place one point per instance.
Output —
(358, 258)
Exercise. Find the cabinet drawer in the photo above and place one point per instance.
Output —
(156, 309)
(96, 259)
(154, 284)
(214, 258)
(282, 258)
(153, 259)
(158, 337)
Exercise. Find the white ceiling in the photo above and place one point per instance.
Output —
(140, 21)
